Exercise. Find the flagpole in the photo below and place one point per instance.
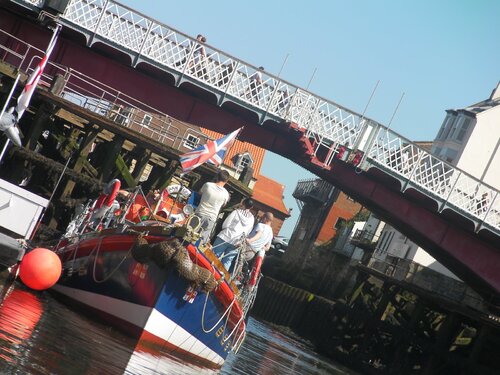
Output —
(51, 196)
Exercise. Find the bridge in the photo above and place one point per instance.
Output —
(109, 55)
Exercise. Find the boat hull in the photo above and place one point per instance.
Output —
(149, 302)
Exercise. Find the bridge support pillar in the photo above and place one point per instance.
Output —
(80, 159)
(400, 360)
(443, 340)
(141, 163)
(42, 117)
(389, 291)
(108, 164)
(161, 176)
(477, 347)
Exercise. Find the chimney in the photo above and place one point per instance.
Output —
(495, 94)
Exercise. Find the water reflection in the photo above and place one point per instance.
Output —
(40, 335)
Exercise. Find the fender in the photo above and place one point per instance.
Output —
(256, 268)
(109, 194)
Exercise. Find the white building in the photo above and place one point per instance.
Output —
(469, 138)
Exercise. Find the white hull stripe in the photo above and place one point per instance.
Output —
(152, 320)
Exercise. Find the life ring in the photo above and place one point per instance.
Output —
(256, 268)
(109, 194)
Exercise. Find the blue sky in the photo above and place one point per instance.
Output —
(442, 54)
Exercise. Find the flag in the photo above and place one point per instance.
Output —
(11, 117)
(29, 89)
(212, 152)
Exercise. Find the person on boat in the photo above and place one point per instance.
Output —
(213, 197)
(260, 237)
(237, 225)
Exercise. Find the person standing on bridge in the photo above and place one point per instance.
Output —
(199, 57)
(256, 85)
(213, 197)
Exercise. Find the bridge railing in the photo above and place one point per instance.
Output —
(151, 41)
(331, 124)
(420, 169)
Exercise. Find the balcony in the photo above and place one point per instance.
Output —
(313, 191)
(365, 240)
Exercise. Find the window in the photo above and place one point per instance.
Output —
(450, 125)
(244, 160)
(443, 126)
(449, 154)
(191, 141)
(146, 121)
(463, 129)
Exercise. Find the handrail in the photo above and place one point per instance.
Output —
(414, 273)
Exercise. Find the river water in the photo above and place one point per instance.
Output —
(41, 335)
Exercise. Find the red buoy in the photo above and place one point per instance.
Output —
(40, 269)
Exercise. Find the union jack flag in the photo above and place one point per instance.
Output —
(212, 152)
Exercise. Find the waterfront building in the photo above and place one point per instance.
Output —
(325, 212)
(469, 138)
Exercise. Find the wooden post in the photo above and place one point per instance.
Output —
(141, 163)
(108, 164)
(443, 341)
(42, 117)
(81, 159)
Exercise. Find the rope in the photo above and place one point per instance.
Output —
(239, 341)
(220, 320)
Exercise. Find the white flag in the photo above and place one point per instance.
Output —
(25, 97)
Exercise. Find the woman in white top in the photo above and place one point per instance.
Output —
(261, 236)
(239, 223)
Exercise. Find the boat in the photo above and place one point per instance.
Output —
(137, 271)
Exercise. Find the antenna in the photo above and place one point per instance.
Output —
(307, 88)
(395, 110)
(369, 100)
(283, 65)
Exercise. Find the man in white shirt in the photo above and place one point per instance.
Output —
(213, 197)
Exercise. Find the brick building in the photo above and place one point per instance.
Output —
(324, 210)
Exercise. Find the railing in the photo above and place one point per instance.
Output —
(122, 109)
(365, 238)
(315, 188)
(438, 284)
(328, 123)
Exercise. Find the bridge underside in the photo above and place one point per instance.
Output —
(475, 258)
